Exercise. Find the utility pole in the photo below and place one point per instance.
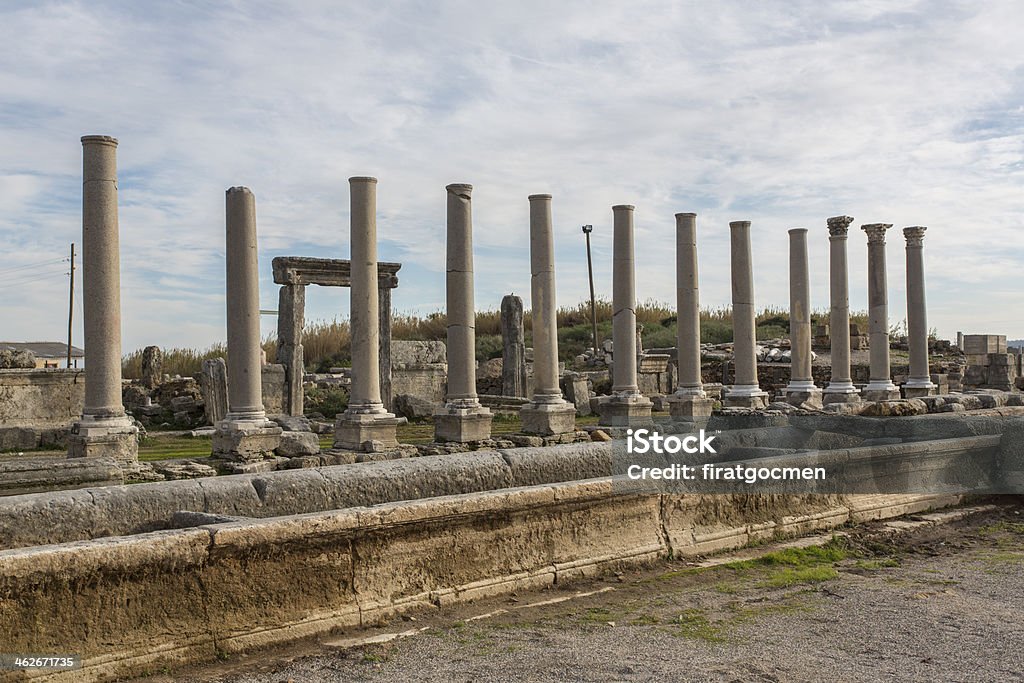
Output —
(587, 229)
(71, 301)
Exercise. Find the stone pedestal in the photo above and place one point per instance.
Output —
(745, 392)
(689, 408)
(548, 419)
(354, 431)
(919, 382)
(880, 387)
(117, 440)
(462, 419)
(462, 425)
(840, 388)
(245, 434)
(365, 419)
(243, 442)
(627, 406)
(104, 430)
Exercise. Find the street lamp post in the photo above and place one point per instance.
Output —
(587, 229)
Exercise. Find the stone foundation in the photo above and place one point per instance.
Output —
(630, 411)
(354, 431)
(245, 444)
(690, 408)
(462, 425)
(548, 419)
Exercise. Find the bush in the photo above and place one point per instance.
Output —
(488, 346)
(328, 401)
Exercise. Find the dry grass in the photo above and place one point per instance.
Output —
(327, 343)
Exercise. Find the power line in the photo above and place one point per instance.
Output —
(11, 269)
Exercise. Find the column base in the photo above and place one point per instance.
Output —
(353, 431)
(245, 442)
(919, 390)
(881, 392)
(626, 410)
(840, 393)
(807, 398)
(745, 396)
(114, 438)
(462, 425)
(548, 419)
(690, 407)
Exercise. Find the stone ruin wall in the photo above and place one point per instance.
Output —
(37, 407)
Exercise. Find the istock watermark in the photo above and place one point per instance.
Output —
(642, 441)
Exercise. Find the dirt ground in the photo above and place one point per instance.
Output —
(934, 602)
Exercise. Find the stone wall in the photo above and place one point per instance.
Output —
(274, 385)
(419, 369)
(347, 569)
(37, 407)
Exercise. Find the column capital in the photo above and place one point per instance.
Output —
(838, 226)
(464, 189)
(739, 224)
(876, 232)
(362, 179)
(99, 140)
(539, 197)
(914, 235)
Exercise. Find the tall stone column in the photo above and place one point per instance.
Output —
(291, 317)
(627, 406)
(840, 387)
(919, 383)
(801, 389)
(365, 420)
(745, 391)
(689, 403)
(880, 386)
(245, 434)
(104, 429)
(462, 419)
(547, 414)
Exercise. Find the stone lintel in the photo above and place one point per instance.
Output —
(327, 272)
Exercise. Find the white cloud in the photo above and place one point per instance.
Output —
(782, 114)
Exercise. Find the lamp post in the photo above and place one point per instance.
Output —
(587, 229)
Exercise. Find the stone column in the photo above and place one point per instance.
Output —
(880, 386)
(801, 389)
(513, 342)
(745, 391)
(365, 421)
(462, 419)
(840, 387)
(245, 434)
(689, 402)
(291, 317)
(384, 346)
(919, 383)
(547, 414)
(627, 406)
(104, 429)
(152, 367)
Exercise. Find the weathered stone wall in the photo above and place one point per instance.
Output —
(419, 369)
(274, 386)
(38, 406)
(169, 598)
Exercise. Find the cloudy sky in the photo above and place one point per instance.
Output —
(779, 113)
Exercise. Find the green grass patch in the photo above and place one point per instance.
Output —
(694, 624)
(872, 565)
(793, 576)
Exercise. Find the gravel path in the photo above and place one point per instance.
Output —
(936, 604)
